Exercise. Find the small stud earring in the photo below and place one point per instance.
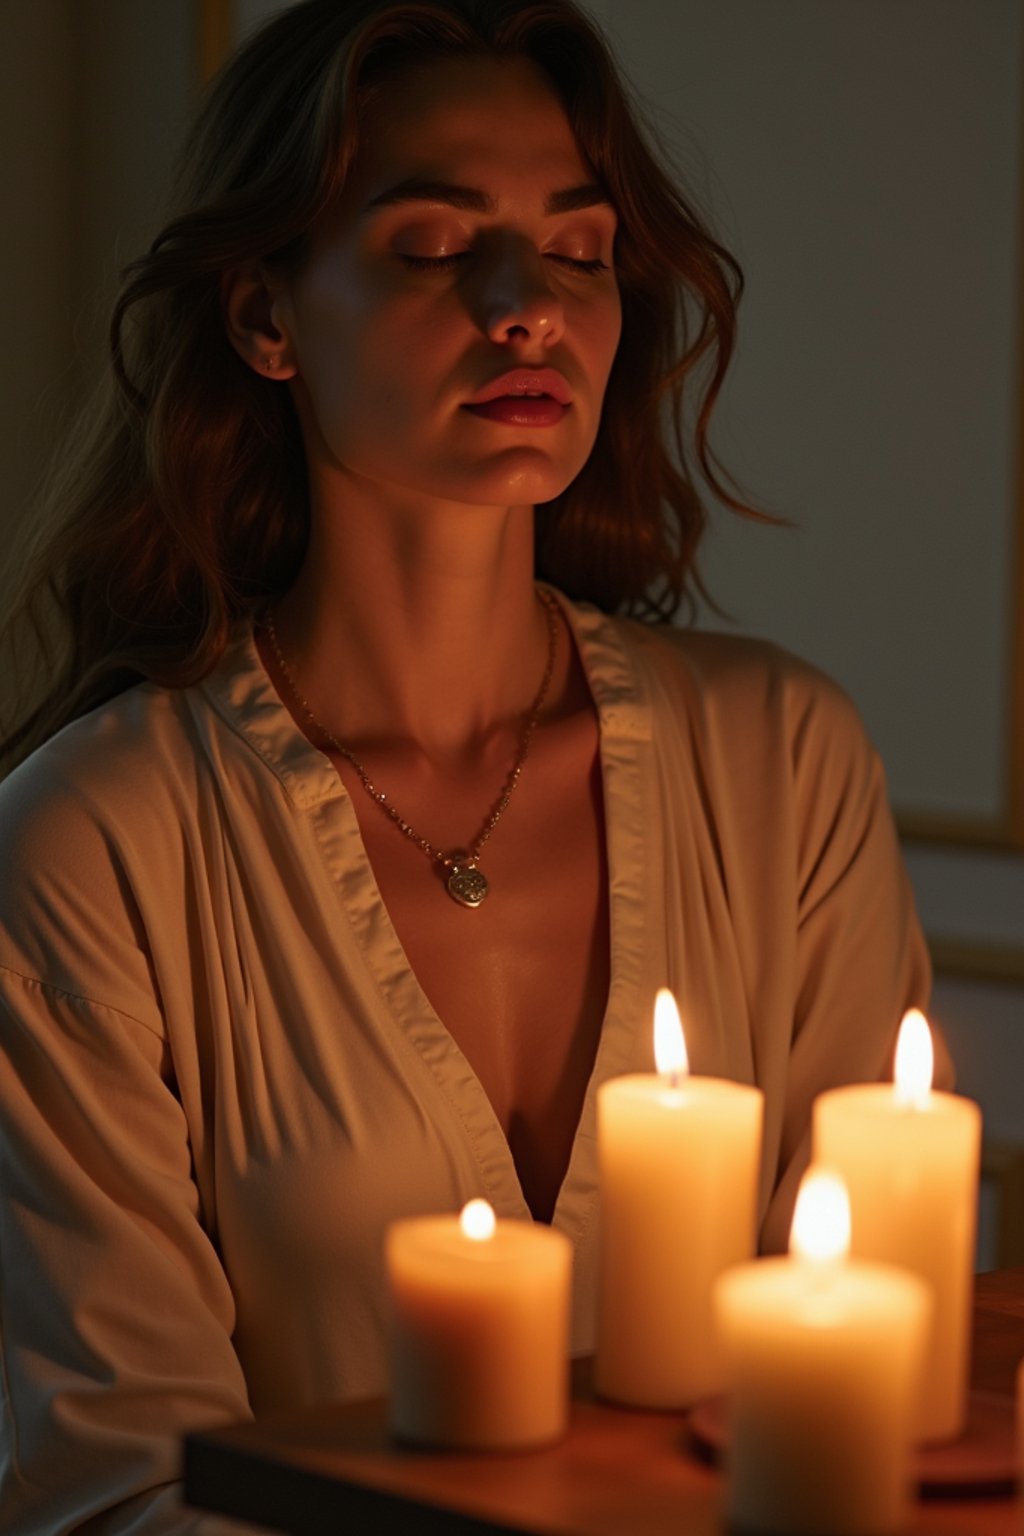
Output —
(270, 364)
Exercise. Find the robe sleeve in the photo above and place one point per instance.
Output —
(116, 1316)
(861, 958)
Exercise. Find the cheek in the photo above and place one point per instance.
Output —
(611, 330)
(340, 349)
(597, 328)
(402, 361)
(374, 381)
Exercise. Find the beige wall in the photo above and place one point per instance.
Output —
(864, 160)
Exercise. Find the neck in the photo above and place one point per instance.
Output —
(416, 623)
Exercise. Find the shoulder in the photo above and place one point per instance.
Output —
(91, 833)
(741, 685)
(771, 737)
(103, 770)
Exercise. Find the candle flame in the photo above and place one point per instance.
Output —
(669, 1045)
(915, 1060)
(821, 1221)
(477, 1221)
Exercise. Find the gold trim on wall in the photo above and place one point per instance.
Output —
(1005, 832)
(959, 832)
(1016, 785)
(967, 960)
(215, 28)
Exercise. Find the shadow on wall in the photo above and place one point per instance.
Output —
(94, 100)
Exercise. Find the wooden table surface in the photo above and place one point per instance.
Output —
(618, 1472)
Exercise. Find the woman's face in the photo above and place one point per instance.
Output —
(471, 243)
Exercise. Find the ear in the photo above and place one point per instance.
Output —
(251, 311)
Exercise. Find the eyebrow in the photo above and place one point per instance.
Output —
(415, 189)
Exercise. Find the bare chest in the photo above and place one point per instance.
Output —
(521, 981)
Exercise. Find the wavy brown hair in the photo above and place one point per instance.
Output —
(183, 504)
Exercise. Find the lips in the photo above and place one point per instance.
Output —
(521, 410)
(521, 383)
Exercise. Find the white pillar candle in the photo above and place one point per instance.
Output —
(480, 1330)
(910, 1159)
(678, 1163)
(824, 1361)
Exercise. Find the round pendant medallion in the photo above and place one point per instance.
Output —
(467, 885)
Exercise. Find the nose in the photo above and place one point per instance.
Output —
(516, 301)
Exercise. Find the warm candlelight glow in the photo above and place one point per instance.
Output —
(915, 1060)
(479, 1324)
(477, 1221)
(821, 1221)
(669, 1045)
(678, 1162)
(909, 1156)
(824, 1363)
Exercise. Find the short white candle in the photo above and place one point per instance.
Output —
(679, 1158)
(910, 1159)
(480, 1344)
(824, 1363)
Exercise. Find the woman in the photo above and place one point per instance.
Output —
(353, 857)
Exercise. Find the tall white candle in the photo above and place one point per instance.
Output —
(910, 1158)
(679, 1158)
(480, 1314)
(824, 1361)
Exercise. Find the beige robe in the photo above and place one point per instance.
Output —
(220, 1080)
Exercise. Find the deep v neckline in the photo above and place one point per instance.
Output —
(622, 726)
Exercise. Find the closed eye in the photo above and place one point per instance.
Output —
(433, 263)
(446, 263)
(579, 265)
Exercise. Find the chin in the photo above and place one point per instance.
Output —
(521, 476)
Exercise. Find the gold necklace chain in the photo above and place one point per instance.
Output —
(465, 883)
